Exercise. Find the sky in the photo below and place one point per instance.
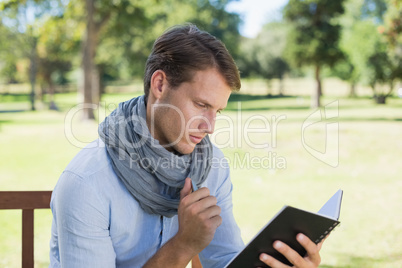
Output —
(255, 13)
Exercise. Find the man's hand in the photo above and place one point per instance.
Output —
(199, 217)
(311, 260)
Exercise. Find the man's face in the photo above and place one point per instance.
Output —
(183, 116)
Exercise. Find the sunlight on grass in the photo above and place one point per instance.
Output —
(35, 150)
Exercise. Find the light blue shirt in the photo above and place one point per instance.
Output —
(98, 223)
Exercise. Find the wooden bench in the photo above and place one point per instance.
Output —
(28, 201)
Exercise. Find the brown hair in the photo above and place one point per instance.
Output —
(182, 50)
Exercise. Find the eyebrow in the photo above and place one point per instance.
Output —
(208, 104)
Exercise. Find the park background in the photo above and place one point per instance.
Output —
(342, 58)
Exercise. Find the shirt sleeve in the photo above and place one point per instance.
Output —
(227, 241)
(80, 227)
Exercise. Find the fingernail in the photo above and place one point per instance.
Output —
(300, 237)
(263, 257)
(277, 244)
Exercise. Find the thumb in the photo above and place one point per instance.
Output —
(186, 188)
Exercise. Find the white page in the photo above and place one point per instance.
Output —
(333, 206)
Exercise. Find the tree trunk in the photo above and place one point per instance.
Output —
(42, 92)
(96, 92)
(315, 98)
(352, 92)
(102, 85)
(380, 99)
(52, 104)
(32, 72)
(269, 88)
(51, 89)
(91, 89)
(89, 45)
(281, 86)
(320, 89)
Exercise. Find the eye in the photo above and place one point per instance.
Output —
(201, 105)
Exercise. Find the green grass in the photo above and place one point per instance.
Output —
(34, 149)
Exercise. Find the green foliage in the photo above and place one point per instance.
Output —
(8, 66)
(393, 26)
(358, 42)
(309, 36)
(313, 39)
(363, 41)
(132, 28)
(124, 33)
(263, 55)
(58, 43)
(344, 70)
(393, 33)
(24, 23)
(347, 69)
(374, 9)
(381, 66)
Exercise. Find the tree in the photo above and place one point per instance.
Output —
(374, 61)
(314, 36)
(384, 70)
(127, 41)
(347, 68)
(123, 32)
(96, 16)
(263, 55)
(374, 9)
(58, 42)
(24, 19)
(393, 20)
(346, 71)
(8, 61)
(393, 31)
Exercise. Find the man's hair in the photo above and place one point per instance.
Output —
(183, 50)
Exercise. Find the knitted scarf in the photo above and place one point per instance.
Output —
(153, 175)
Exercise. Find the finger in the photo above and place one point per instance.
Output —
(216, 221)
(211, 212)
(319, 245)
(204, 203)
(198, 195)
(186, 188)
(289, 253)
(271, 261)
(311, 248)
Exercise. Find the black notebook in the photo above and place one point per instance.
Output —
(284, 226)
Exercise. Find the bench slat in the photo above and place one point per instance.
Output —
(28, 201)
(28, 238)
(25, 199)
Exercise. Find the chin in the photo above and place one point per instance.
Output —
(184, 148)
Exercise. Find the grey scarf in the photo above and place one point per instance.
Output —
(153, 175)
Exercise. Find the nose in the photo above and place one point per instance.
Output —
(207, 123)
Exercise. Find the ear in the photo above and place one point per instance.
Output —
(159, 84)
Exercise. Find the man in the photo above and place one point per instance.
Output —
(131, 199)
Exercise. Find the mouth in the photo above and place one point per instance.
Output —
(196, 139)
